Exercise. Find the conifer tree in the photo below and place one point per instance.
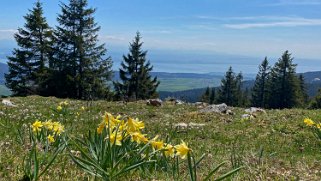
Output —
(229, 91)
(283, 84)
(136, 81)
(81, 68)
(28, 67)
(206, 96)
(316, 101)
(303, 91)
(213, 96)
(259, 91)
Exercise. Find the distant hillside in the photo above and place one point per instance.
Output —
(312, 81)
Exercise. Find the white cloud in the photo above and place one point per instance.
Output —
(291, 22)
(7, 34)
(112, 38)
(8, 31)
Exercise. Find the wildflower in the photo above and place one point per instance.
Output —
(308, 122)
(48, 124)
(138, 137)
(116, 138)
(77, 114)
(319, 126)
(83, 108)
(63, 103)
(169, 150)
(157, 145)
(36, 126)
(110, 121)
(182, 150)
(58, 128)
(134, 125)
(101, 127)
(51, 139)
(59, 108)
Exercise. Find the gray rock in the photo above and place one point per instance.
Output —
(179, 102)
(7, 102)
(218, 108)
(254, 110)
(154, 102)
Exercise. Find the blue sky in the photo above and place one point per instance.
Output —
(199, 35)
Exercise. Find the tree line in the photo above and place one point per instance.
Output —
(275, 87)
(68, 61)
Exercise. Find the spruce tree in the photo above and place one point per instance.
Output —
(206, 96)
(136, 81)
(213, 96)
(228, 92)
(81, 68)
(303, 91)
(28, 67)
(283, 84)
(316, 101)
(259, 91)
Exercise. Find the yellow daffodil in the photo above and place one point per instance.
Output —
(59, 108)
(308, 122)
(51, 139)
(110, 121)
(82, 108)
(182, 150)
(169, 150)
(36, 126)
(48, 125)
(64, 103)
(157, 145)
(134, 125)
(116, 138)
(58, 128)
(319, 126)
(138, 138)
(101, 127)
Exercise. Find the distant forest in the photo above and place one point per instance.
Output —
(68, 62)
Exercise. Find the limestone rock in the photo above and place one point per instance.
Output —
(154, 102)
(7, 102)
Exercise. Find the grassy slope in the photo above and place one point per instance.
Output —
(290, 151)
(179, 84)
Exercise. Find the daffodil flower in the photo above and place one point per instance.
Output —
(134, 125)
(169, 150)
(59, 108)
(51, 139)
(182, 150)
(138, 138)
(36, 126)
(308, 122)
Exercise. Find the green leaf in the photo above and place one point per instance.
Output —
(213, 171)
(228, 174)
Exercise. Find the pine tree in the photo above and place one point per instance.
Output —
(137, 83)
(316, 101)
(303, 91)
(28, 67)
(81, 68)
(206, 96)
(283, 84)
(239, 94)
(213, 96)
(259, 91)
(229, 91)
